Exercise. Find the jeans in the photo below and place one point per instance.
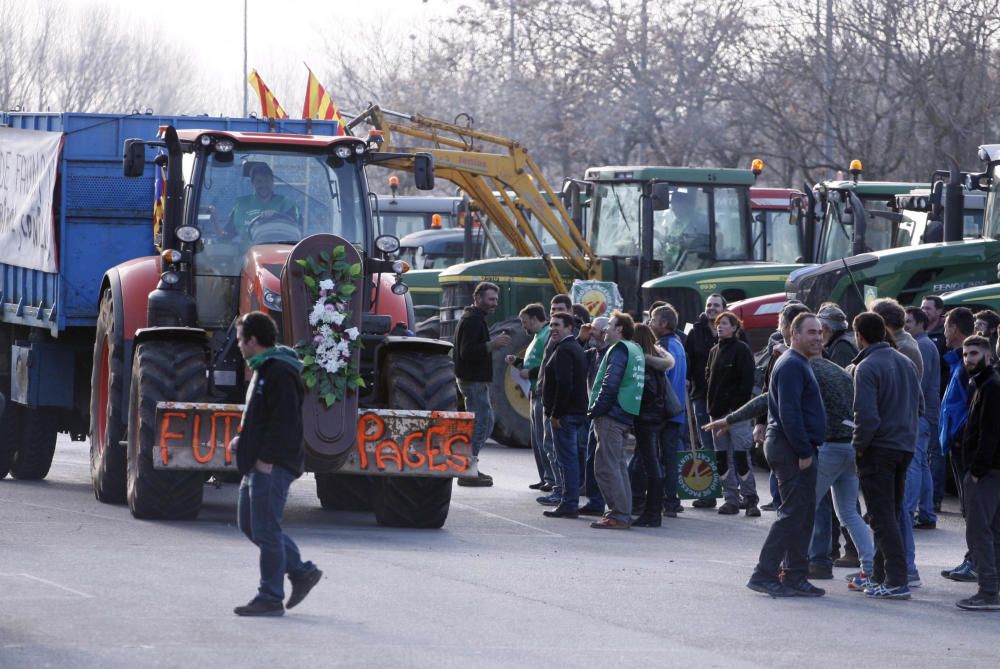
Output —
(259, 510)
(788, 539)
(538, 434)
(982, 528)
(647, 450)
(732, 453)
(882, 472)
(566, 439)
(670, 442)
(836, 473)
(595, 500)
(926, 441)
(611, 468)
(701, 418)
(477, 400)
(918, 470)
(938, 464)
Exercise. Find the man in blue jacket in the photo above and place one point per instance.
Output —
(663, 322)
(615, 399)
(796, 426)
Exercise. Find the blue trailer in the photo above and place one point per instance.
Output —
(99, 220)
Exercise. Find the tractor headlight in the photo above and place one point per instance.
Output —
(400, 289)
(272, 300)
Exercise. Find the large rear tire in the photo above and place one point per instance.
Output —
(511, 406)
(425, 381)
(9, 430)
(108, 460)
(35, 444)
(344, 492)
(162, 371)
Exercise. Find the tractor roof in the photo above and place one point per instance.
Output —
(690, 175)
(277, 138)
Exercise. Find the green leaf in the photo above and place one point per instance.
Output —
(309, 281)
(302, 262)
(330, 399)
(348, 290)
(339, 251)
(308, 360)
(356, 270)
(325, 256)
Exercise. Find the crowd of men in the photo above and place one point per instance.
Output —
(877, 405)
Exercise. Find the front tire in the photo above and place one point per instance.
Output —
(162, 371)
(511, 406)
(423, 381)
(108, 460)
(35, 444)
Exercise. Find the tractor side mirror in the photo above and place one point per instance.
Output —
(660, 196)
(796, 208)
(423, 171)
(134, 159)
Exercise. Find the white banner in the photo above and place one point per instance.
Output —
(28, 163)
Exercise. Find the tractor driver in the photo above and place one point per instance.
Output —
(686, 229)
(263, 205)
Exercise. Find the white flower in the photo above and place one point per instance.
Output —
(352, 333)
(317, 314)
(326, 284)
(333, 366)
(336, 317)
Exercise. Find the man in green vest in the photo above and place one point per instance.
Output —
(614, 403)
(264, 205)
(534, 323)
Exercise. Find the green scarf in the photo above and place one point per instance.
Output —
(283, 353)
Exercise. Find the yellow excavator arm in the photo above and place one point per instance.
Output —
(489, 179)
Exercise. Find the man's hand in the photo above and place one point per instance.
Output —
(805, 463)
(263, 467)
(555, 422)
(719, 426)
(758, 433)
(500, 341)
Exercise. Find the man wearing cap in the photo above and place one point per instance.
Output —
(838, 341)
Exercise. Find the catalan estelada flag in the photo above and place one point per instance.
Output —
(269, 105)
(319, 105)
(159, 204)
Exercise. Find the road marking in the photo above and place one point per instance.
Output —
(53, 584)
(59, 508)
(509, 520)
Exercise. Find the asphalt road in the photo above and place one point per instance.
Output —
(83, 584)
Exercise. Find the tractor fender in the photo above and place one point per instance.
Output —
(196, 335)
(411, 344)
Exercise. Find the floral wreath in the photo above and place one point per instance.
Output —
(328, 368)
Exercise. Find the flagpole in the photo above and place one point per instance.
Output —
(245, 73)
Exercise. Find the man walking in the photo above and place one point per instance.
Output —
(270, 455)
(615, 399)
(887, 404)
(796, 426)
(565, 405)
(474, 367)
(981, 447)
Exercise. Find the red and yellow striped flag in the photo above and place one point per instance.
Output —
(269, 105)
(319, 105)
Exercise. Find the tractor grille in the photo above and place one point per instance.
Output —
(686, 301)
(455, 297)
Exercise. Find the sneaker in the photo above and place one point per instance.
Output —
(481, 481)
(913, 580)
(805, 589)
(820, 571)
(853, 575)
(546, 487)
(301, 587)
(772, 588)
(849, 560)
(882, 591)
(260, 607)
(963, 572)
(859, 582)
(729, 509)
(980, 602)
(549, 500)
(536, 486)
(703, 503)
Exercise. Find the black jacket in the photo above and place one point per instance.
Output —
(981, 439)
(697, 346)
(473, 359)
(729, 377)
(272, 420)
(565, 392)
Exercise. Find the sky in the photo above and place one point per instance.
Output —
(281, 35)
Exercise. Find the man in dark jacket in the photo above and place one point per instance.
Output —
(887, 405)
(565, 404)
(981, 447)
(474, 367)
(697, 346)
(796, 426)
(270, 455)
(615, 400)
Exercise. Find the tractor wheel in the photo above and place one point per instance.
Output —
(424, 381)
(107, 424)
(162, 371)
(35, 444)
(10, 428)
(511, 407)
(344, 492)
(430, 328)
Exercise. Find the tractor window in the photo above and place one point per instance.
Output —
(614, 228)
(774, 238)
(991, 215)
(838, 228)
